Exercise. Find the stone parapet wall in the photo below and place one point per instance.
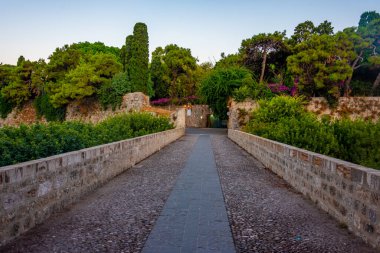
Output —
(239, 113)
(30, 192)
(348, 192)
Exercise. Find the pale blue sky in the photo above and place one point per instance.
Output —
(34, 28)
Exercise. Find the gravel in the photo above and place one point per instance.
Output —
(267, 215)
(118, 216)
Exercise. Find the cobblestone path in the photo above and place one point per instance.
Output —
(267, 215)
(118, 216)
(169, 190)
(194, 218)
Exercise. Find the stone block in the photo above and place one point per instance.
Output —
(344, 171)
(30, 192)
(349, 192)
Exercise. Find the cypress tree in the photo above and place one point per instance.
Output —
(139, 57)
(128, 50)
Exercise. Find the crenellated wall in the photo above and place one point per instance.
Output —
(31, 191)
(348, 192)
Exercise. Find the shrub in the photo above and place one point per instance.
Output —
(111, 93)
(220, 84)
(45, 108)
(359, 141)
(284, 119)
(253, 90)
(19, 144)
(5, 107)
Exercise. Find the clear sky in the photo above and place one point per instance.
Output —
(34, 28)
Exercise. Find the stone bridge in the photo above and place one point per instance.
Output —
(201, 193)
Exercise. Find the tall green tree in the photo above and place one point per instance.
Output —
(367, 17)
(62, 61)
(324, 28)
(20, 60)
(27, 82)
(231, 60)
(128, 49)
(138, 65)
(217, 87)
(362, 49)
(259, 47)
(85, 79)
(369, 28)
(88, 48)
(322, 64)
(303, 31)
(180, 64)
(172, 71)
(159, 74)
(8, 75)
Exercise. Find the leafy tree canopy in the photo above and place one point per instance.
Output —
(220, 84)
(231, 60)
(85, 79)
(173, 71)
(305, 30)
(139, 57)
(256, 50)
(321, 64)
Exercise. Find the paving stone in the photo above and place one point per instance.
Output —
(117, 217)
(195, 207)
(267, 215)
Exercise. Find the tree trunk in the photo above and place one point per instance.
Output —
(263, 66)
(347, 88)
(173, 87)
(376, 84)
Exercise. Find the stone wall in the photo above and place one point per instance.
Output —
(199, 116)
(25, 115)
(30, 192)
(239, 112)
(87, 110)
(353, 107)
(178, 118)
(349, 192)
(90, 110)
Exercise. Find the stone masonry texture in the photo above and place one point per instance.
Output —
(116, 217)
(194, 218)
(265, 213)
(367, 108)
(348, 192)
(30, 192)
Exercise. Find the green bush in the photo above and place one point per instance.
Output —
(111, 93)
(45, 108)
(359, 141)
(5, 107)
(253, 90)
(24, 143)
(284, 119)
(361, 88)
(220, 84)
